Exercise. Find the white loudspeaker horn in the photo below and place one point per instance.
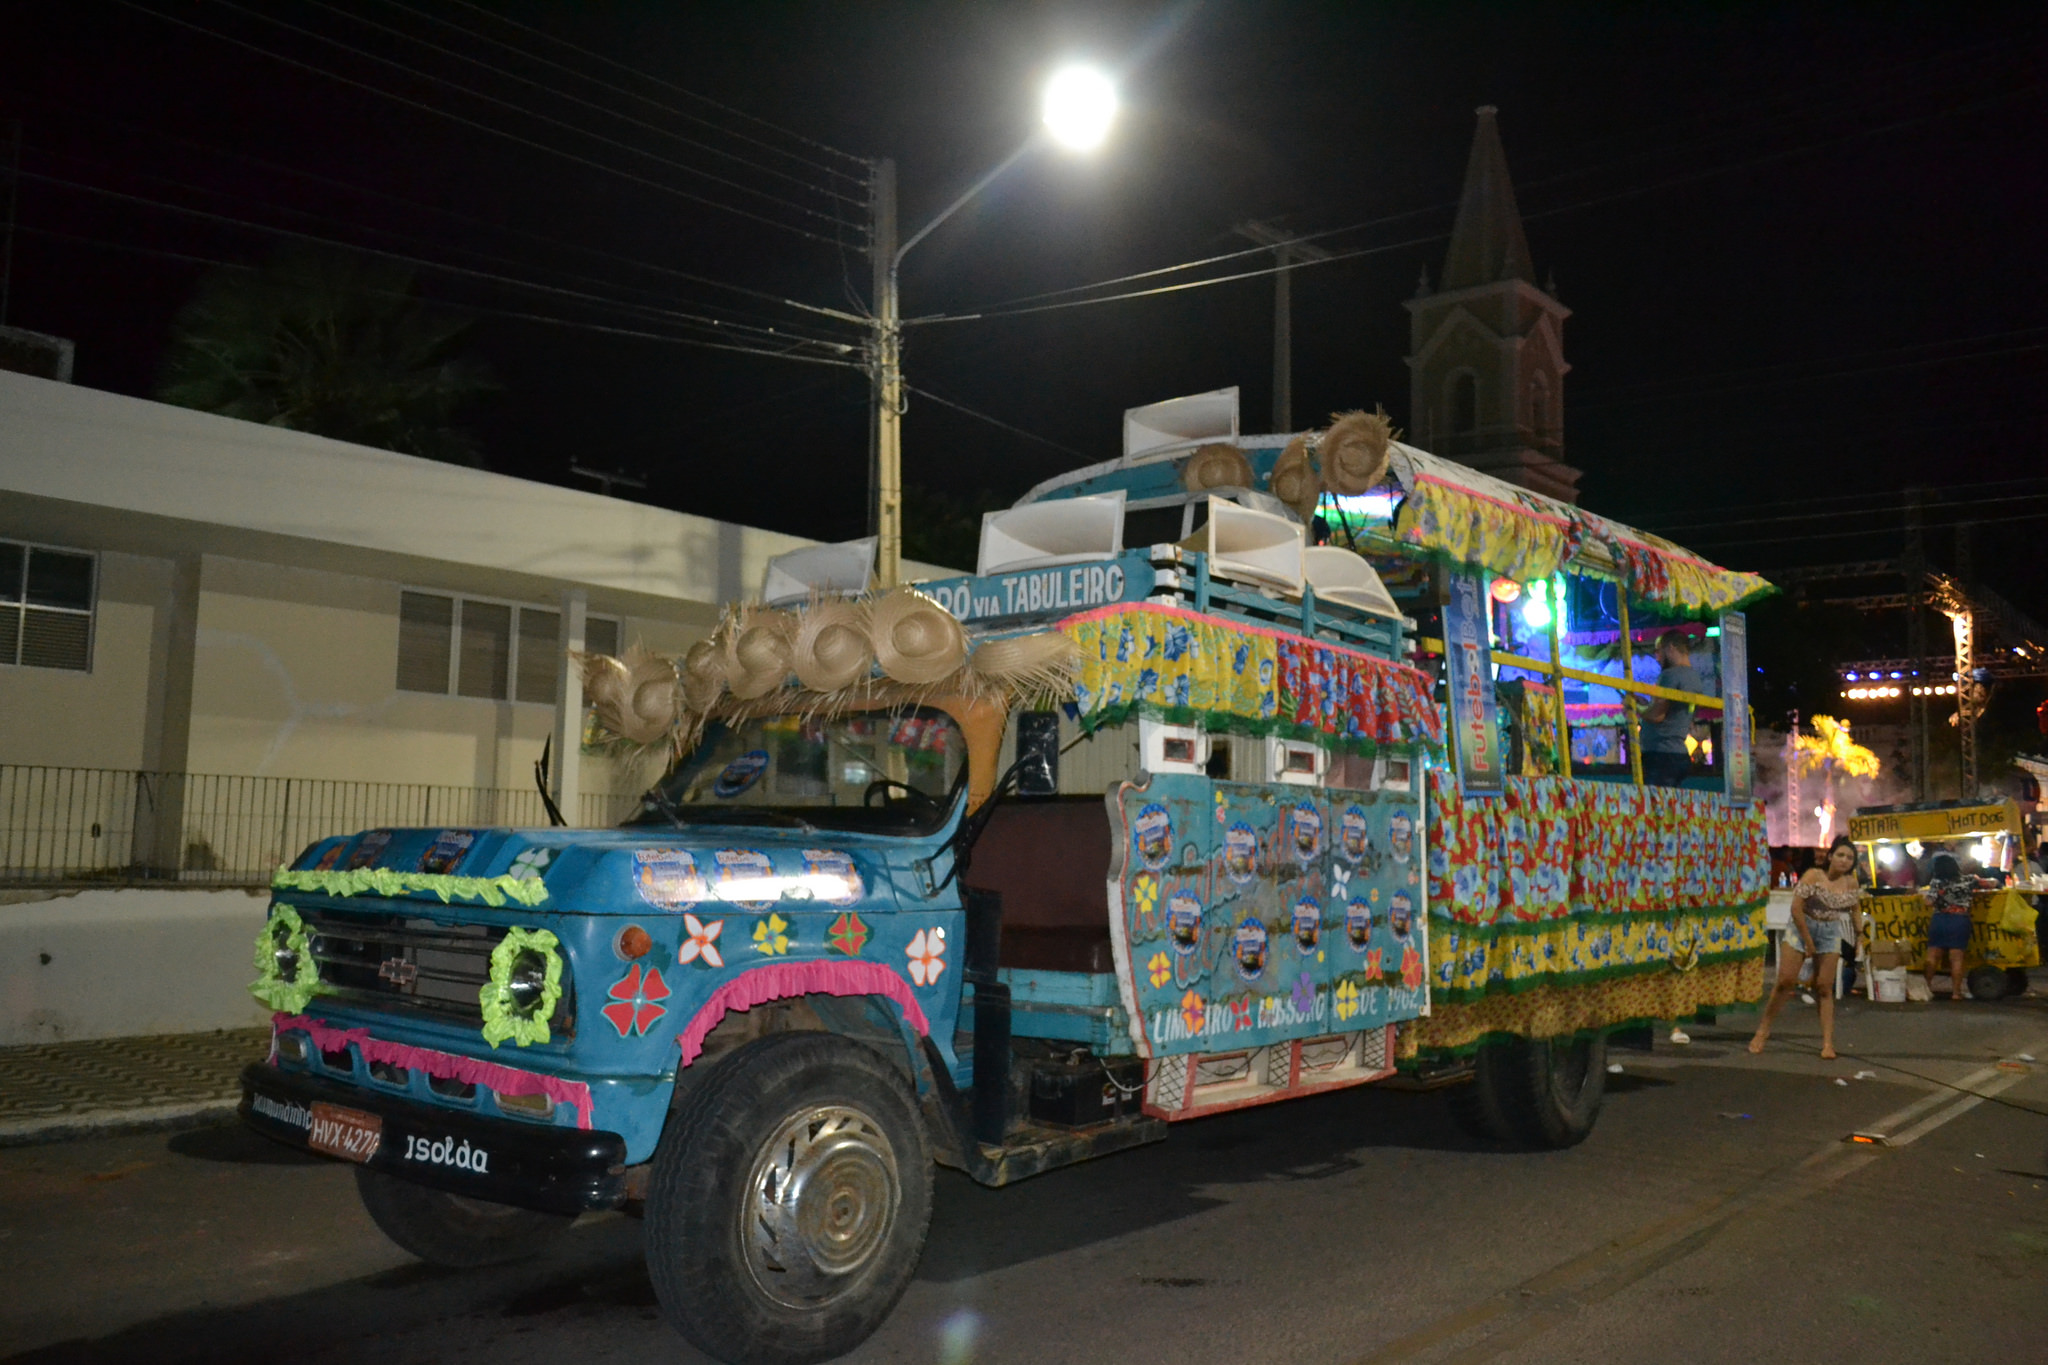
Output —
(1344, 578)
(1040, 535)
(1257, 547)
(840, 570)
(1160, 429)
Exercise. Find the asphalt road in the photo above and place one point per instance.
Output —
(1716, 1214)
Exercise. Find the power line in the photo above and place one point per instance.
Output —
(1738, 542)
(442, 266)
(513, 314)
(469, 122)
(500, 225)
(1748, 371)
(996, 422)
(768, 324)
(589, 104)
(691, 94)
(518, 108)
(1691, 527)
(653, 103)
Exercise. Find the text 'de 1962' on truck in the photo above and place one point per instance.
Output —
(1243, 769)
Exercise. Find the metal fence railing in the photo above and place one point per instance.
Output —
(113, 826)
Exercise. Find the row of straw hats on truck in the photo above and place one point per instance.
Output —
(833, 653)
(1347, 458)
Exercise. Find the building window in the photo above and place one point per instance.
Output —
(46, 606)
(474, 647)
(1539, 406)
(1464, 402)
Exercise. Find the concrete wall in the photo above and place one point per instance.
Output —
(118, 963)
(94, 719)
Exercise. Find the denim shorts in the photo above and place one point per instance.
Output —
(1827, 934)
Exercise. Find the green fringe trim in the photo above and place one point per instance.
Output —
(383, 881)
(1224, 722)
(1508, 928)
(1466, 996)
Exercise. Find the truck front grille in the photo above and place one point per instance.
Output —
(411, 966)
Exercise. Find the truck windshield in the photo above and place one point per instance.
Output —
(887, 771)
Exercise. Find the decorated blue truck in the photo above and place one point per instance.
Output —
(1152, 817)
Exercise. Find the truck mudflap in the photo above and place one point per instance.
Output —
(556, 1170)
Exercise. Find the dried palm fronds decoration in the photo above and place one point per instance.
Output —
(1353, 453)
(1028, 667)
(1216, 466)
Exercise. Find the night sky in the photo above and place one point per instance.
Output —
(1803, 244)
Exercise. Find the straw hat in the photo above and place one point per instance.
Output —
(636, 697)
(704, 675)
(831, 650)
(757, 653)
(1354, 451)
(1294, 480)
(916, 640)
(1216, 466)
(1027, 662)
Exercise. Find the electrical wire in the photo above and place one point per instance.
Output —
(860, 181)
(1888, 531)
(995, 422)
(469, 122)
(403, 258)
(485, 309)
(469, 220)
(518, 108)
(671, 85)
(655, 309)
(1689, 383)
(587, 104)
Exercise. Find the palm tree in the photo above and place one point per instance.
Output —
(330, 344)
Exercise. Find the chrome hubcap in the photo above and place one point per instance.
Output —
(820, 1202)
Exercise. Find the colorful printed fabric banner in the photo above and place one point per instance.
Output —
(1468, 668)
(1468, 528)
(1562, 881)
(1661, 572)
(1191, 670)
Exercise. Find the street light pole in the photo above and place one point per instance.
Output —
(1079, 105)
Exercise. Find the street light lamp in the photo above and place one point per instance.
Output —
(1077, 109)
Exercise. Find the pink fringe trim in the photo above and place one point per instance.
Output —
(505, 1080)
(785, 979)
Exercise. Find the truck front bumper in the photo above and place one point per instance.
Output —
(534, 1166)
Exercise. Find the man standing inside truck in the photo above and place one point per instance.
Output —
(1666, 724)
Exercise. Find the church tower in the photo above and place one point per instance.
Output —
(1486, 363)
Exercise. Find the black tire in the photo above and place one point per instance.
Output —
(1534, 1093)
(742, 1272)
(1985, 983)
(2017, 982)
(453, 1229)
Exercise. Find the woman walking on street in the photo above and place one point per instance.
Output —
(1821, 905)
(1950, 894)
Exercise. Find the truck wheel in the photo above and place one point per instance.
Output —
(1986, 983)
(1541, 1093)
(790, 1197)
(453, 1229)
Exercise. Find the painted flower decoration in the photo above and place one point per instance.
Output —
(1304, 993)
(1372, 964)
(1160, 968)
(927, 955)
(1240, 1014)
(1411, 968)
(1192, 1012)
(1145, 893)
(771, 935)
(633, 1008)
(849, 934)
(1347, 1000)
(700, 942)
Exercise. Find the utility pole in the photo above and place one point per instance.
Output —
(1969, 699)
(1288, 251)
(885, 474)
(1913, 565)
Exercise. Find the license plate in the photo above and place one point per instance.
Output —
(349, 1134)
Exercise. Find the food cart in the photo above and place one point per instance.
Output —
(1985, 836)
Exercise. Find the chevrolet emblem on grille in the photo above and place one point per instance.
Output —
(398, 971)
